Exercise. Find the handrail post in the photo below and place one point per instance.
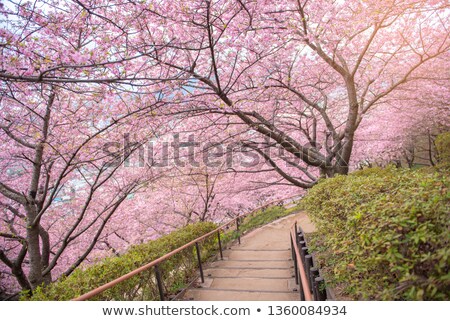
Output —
(296, 233)
(294, 257)
(237, 229)
(197, 247)
(292, 249)
(159, 282)
(220, 245)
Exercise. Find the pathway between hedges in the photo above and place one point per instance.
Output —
(260, 268)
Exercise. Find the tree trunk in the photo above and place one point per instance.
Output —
(45, 256)
(34, 249)
(345, 152)
(17, 271)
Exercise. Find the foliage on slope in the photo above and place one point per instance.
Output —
(260, 218)
(175, 271)
(383, 234)
(266, 216)
(442, 143)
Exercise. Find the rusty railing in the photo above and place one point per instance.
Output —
(307, 276)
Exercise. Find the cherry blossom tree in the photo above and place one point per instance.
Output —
(404, 128)
(303, 86)
(301, 74)
(53, 152)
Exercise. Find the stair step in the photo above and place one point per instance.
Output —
(252, 264)
(251, 284)
(259, 250)
(259, 255)
(211, 294)
(249, 273)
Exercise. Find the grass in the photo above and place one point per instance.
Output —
(266, 216)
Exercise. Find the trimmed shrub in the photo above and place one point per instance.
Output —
(383, 234)
(175, 271)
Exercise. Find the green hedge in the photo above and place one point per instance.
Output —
(175, 271)
(383, 234)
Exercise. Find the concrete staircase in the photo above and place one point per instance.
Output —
(260, 268)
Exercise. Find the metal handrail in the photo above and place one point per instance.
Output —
(161, 259)
(304, 284)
